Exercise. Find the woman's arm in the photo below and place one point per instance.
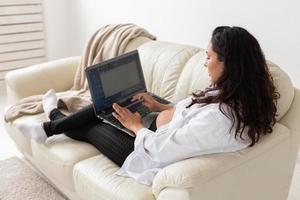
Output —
(133, 121)
(206, 133)
(163, 107)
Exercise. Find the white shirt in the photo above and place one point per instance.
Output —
(192, 132)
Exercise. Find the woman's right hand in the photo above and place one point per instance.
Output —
(149, 101)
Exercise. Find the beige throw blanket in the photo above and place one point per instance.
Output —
(108, 42)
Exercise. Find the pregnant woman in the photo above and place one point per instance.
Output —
(233, 113)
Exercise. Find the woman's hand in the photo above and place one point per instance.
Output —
(149, 101)
(131, 121)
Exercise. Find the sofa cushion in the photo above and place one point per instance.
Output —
(58, 156)
(193, 77)
(94, 179)
(136, 42)
(162, 64)
(285, 88)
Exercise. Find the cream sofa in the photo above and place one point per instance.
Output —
(172, 71)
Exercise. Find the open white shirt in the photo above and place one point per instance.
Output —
(192, 132)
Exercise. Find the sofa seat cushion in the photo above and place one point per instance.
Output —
(57, 157)
(94, 179)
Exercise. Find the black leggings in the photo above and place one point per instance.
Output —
(83, 125)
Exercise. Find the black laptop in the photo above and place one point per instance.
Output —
(118, 80)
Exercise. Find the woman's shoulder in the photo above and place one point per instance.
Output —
(214, 106)
(184, 102)
(219, 110)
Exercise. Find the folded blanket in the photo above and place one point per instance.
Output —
(108, 42)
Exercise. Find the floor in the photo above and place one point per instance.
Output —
(8, 148)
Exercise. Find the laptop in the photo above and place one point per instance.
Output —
(118, 80)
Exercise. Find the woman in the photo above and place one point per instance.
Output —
(233, 113)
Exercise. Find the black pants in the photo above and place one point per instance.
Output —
(83, 125)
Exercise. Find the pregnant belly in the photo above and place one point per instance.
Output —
(164, 117)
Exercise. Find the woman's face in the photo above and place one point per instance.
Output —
(214, 66)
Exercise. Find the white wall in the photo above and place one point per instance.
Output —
(275, 23)
(57, 28)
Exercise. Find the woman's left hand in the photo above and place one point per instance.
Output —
(131, 121)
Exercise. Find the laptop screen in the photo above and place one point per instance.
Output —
(115, 80)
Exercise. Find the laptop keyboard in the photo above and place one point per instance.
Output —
(138, 107)
(113, 120)
(141, 109)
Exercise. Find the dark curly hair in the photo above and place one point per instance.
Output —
(246, 85)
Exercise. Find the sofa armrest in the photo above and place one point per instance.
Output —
(268, 163)
(37, 79)
(190, 173)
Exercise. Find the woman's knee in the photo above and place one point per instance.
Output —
(76, 135)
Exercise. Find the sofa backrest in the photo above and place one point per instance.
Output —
(174, 71)
(162, 64)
